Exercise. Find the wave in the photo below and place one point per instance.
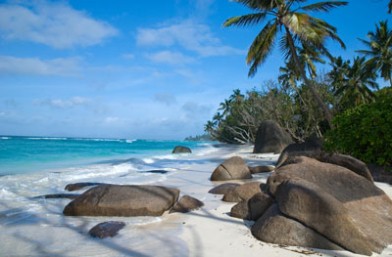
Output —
(47, 138)
(129, 141)
(100, 139)
(5, 138)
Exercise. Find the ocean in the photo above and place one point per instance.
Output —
(20, 155)
(32, 167)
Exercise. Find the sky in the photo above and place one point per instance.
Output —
(135, 69)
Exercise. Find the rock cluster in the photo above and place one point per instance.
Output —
(312, 199)
(313, 203)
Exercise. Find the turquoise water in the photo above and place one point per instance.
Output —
(29, 154)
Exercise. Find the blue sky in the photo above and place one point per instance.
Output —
(134, 69)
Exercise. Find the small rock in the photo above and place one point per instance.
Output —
(181, 149)
(261, 169)
(253, 208)
(233, 168)
(58, 196)
(106, 229)
(223, 188)
(243, 192)
(186, 204)
(155, 171)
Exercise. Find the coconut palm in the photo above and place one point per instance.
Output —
(380, 50)
(237, 97)
(225, 107)
(289, 75)
(288, 19)
(338, 75)
(353, 84)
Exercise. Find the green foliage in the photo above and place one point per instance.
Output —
(365, 131)
(199, 138)
(380, 50)
(292, 107)
(353, 84)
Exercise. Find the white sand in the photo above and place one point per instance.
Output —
(212, 232)
(205, 232)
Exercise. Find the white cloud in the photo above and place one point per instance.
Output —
(65, 103)
(165, 98)
(128, 56)
(170, 57)
(195, 110)
(51, 23)
(187, 34)
(36, 66)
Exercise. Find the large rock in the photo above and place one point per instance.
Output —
(339, 204)
(348, 162)
(231, 169)
(78, 186)
(181, 149)
(243, 192)
(271, 138)
(186, 204)
(274, 227)
(130, 200)
(313, 149)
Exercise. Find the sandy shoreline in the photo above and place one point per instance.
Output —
(209, 231)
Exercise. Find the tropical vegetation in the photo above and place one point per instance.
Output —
(365, 131)
(343, 104)
(298, 31)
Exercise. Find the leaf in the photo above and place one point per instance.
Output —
(324, 6)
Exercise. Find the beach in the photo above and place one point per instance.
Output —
(34, 226)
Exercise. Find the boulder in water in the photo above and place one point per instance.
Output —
(127, 200)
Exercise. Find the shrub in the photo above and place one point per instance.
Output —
(365, 132)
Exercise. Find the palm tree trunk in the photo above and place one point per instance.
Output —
(322, 106)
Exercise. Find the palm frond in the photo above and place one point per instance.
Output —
(245, 20)
(261, 47)
(324, 6)
(367, 43)
(257, 4)
(285, 47)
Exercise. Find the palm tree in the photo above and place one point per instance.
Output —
(380, 50)
(225, 107)
(390, 7)
(338, 75)
(237, 97)
(353, 84)
(297, 29)
(288, 77)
